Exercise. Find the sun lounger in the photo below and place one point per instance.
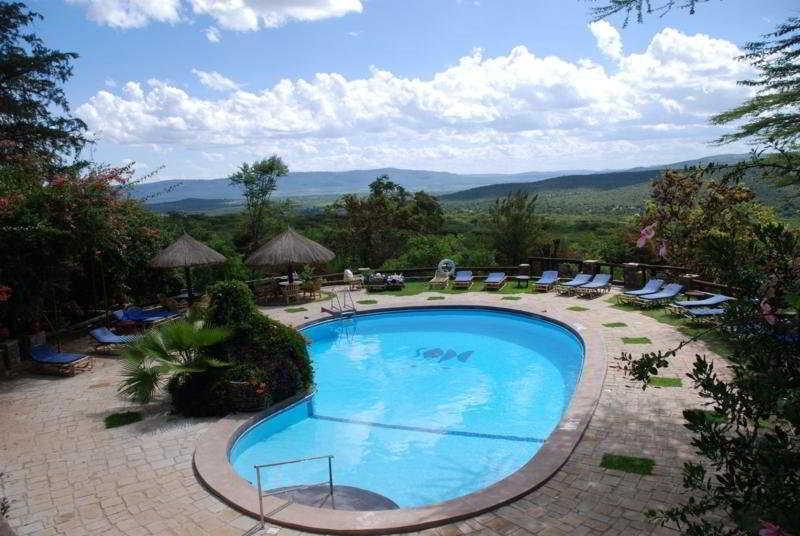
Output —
(105, 339)
(599, 284)
(704, 314)
(548, 279)
(49, 361)
(440, 280)
(651, 287)
(569, 286)
(494, 281)
(714, 299)
(669, 292)
(463, 279)
(141, 316)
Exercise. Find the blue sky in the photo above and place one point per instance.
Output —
(465, 86)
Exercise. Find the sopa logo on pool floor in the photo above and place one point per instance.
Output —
(444, 355)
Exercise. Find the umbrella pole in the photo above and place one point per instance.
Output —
(188, 274)
(291, 276)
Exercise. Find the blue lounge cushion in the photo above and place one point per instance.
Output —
(670, 291)
(106, 336)
(463, 276)
(548, 278)
(578, 280)
(496, 277)
(651, 287)
(705, 311)
(715, 299)
(599, 281)
(46, 354)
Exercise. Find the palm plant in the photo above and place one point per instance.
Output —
(173, 350)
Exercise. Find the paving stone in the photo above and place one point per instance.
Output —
(69, 476)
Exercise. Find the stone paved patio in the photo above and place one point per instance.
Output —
(66, 474)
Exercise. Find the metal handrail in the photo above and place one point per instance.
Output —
(259, 467)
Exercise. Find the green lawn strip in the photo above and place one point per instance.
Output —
(295, 309)
(432, 298)
(121, 419)
(367, 302)
(636, 340)
(661, 381)
(710, 416)
(577, 308)
(713, 338)
(510, 298)
(628, 464)
(616, 325)
(417, 287)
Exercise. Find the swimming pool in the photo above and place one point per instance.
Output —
(421, 406)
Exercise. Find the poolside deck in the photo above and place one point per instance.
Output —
(67, 474)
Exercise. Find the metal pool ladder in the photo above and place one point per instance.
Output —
(341, 304)
(261, 521)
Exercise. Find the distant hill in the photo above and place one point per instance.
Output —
(597, 181)
(327, 183)
(320, 183)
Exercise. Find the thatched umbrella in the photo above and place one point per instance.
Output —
(184, 253)
(288, 249)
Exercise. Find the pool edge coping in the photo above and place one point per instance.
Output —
(213, 469)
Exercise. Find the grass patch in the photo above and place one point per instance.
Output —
(577, 308)
(432, 298)
(661, 381)
(510, 298)
(616, 325)
(121, 419)
(629, 464)
(295, 309)
(636, 340)
(416, 287)
(708, 415)
(714, 339)
(367, 302)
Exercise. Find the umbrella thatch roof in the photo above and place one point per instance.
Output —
(290, 247)
(186, 251)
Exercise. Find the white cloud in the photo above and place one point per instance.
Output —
(215, 81)
(243, 15)
(513, 112)
(608, 39)
(212, 34)
(130, 13)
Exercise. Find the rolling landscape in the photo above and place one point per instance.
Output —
(584, 192)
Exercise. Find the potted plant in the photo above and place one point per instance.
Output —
(395, 281)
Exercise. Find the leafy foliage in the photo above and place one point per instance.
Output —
(639, 8)
(72, 242)
(258, 181)
(370, 230)
(31, 95)
(170, 353)
(278, 351)
(514, 227)
(750, 472)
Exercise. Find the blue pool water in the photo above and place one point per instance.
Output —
(421, 406)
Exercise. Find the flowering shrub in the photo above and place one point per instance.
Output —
(66, 237)
(751, 453)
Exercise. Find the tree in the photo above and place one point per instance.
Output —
(641, 7)
(772, 117)
(167, 353)
(258, 181)
(372, 229)
(31, 96)
(748, 437)
(514, 226)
